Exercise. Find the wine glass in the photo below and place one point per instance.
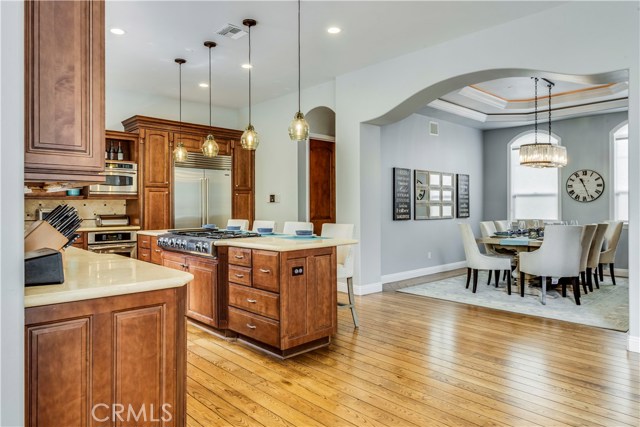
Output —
(573, 222)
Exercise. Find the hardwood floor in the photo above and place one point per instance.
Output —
(421, 362)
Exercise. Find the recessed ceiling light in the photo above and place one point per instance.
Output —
(117, 31)
(247, 66)
(203, 85)
(333, 30)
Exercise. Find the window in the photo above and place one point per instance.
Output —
(533, 192)
(620, 167)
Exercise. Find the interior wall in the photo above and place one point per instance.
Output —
(587, 140)
(407, 144)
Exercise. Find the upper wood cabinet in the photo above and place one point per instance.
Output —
(156, 149)
(243, 166)
(64, 90)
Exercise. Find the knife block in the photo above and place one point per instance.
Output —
(42, 235)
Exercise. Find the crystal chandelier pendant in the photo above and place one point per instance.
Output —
(210, 147)
(543, 155)
(299, 128)
(249, 139)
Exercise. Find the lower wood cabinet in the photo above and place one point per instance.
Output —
(157, 208)
(87, 359)
(206, 301)
(148, 249)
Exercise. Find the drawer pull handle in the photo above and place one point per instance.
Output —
(252, 301)
(240, 276)
(240, 256)
(250, 326)
(158, 250)
(264, 270)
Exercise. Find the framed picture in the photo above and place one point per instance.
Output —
(462, 201)
(434, 211)
(420, 211)
(401, 194)
(434, 195)
(421, 191)
(447, 180)
(434, 179)
(447, 195)
(447, 211)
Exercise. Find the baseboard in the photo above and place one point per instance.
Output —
(633, 344)
(621, 272)
(369, 288)
(404, 275)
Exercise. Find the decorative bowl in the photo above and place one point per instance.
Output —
(304, 232)
(265, 230)
(233, 227)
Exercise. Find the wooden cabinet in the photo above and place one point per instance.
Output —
(158, 138)
(148, 249)
(84, 357)
(285, 300)
(64, 97)
(81, 242)
(206, 302)
(157, 211)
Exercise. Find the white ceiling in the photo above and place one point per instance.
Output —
(373, 31)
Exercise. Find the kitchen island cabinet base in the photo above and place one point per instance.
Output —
(284, 354)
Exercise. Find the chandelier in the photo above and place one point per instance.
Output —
(543, 155)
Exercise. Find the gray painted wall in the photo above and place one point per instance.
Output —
(588, 147)
(407, 144)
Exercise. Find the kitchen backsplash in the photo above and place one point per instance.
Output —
(87, 209)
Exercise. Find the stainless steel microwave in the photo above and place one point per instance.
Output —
(121, 178)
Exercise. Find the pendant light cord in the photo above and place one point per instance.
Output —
(299, 72)
(209, 86)
(549, 85)
(250, 67)
(180, 97)
(536, 111)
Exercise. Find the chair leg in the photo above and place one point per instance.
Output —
(504, 275)
(496, 274)
(576, 289)
(543, 297)
(613, 277)
(600, 272)
(489, 279)
(352, 302)
(595, 278)
(468, 277)
(475, 280)
(589, 280)
(583, 278)
(508, 283)
(521, 284)
(564, 289)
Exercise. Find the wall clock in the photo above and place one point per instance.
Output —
(585, 185)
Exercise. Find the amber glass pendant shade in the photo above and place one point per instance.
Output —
(180, 153)
(249, 139)
(299, 128)
(210, 147)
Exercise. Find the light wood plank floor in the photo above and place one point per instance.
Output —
(421, 362)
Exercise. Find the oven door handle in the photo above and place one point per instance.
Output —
(112, 247)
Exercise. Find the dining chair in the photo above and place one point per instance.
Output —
(478, 261)
(344, 261)
(503, 225)
(608, 255)
(290, 227)
(594, 255)
(558, 256)
(587, 238)
(488, 229)
(242, 223)
(258, 223)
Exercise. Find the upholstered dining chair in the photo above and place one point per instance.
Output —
(608, 254)
(488, 229)
(558, 256)
(587, 237)
(502, 225)
(259, 223)
(290, 227)
(594, 255)
(242, 223)
(478, 261)
(344, 261)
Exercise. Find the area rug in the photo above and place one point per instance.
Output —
(607, 307)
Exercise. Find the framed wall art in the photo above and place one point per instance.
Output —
(462, 201)
(435, 193)
(401, 194)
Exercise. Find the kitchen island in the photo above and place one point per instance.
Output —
(110, 341)
(277, 292)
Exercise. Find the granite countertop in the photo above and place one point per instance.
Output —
(284, 243)
(153, 233)
(111, 228)
(90, 275)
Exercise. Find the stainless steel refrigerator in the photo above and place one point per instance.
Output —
(202, 191)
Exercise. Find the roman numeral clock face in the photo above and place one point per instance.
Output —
(585, 185)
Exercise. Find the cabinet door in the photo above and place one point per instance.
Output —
(157, 158)
(157, 209)
(156, 251)
(202, 300)
(243, 205)
(243, 161)
(64, 90)
(192, 142)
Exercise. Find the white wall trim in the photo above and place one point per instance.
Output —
(633, 344)
(404, 275)
(369, 288)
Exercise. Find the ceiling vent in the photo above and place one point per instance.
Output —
(231, 31)
(434, 128)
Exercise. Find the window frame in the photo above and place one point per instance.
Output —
(612, 170)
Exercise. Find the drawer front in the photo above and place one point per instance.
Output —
(156, 252)
(265, 270)
(240, 256)
(254, 326)
(144, 254)
(144, 241)
(241, 275)
(255, 301)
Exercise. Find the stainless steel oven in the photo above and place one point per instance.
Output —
(113, 242)
(121, 178)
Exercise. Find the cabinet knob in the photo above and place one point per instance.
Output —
(252, 301)
(264, 270)
(250, 326)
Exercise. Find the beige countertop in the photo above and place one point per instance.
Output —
(284, 243)
(89, 275)
(114, 228)
(153, 233)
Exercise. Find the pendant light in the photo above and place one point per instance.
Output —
(210, 146)
(180, 153)
(543, 155)
(299, 128)
(249, 139)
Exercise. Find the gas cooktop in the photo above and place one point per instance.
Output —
(199, 240)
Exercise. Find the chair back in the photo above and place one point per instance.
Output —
(587, 238)
(559, 254)
(487, 229)
(501, 225)
(471, 251)
(345, 252)
(243, 223)
(596, 246)
(258, 223)
(290, 227)
(611, 240)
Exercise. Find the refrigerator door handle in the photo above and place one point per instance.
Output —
(202, 197)
(206, 200)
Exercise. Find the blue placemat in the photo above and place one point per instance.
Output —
(516, 241)
(288, 236)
